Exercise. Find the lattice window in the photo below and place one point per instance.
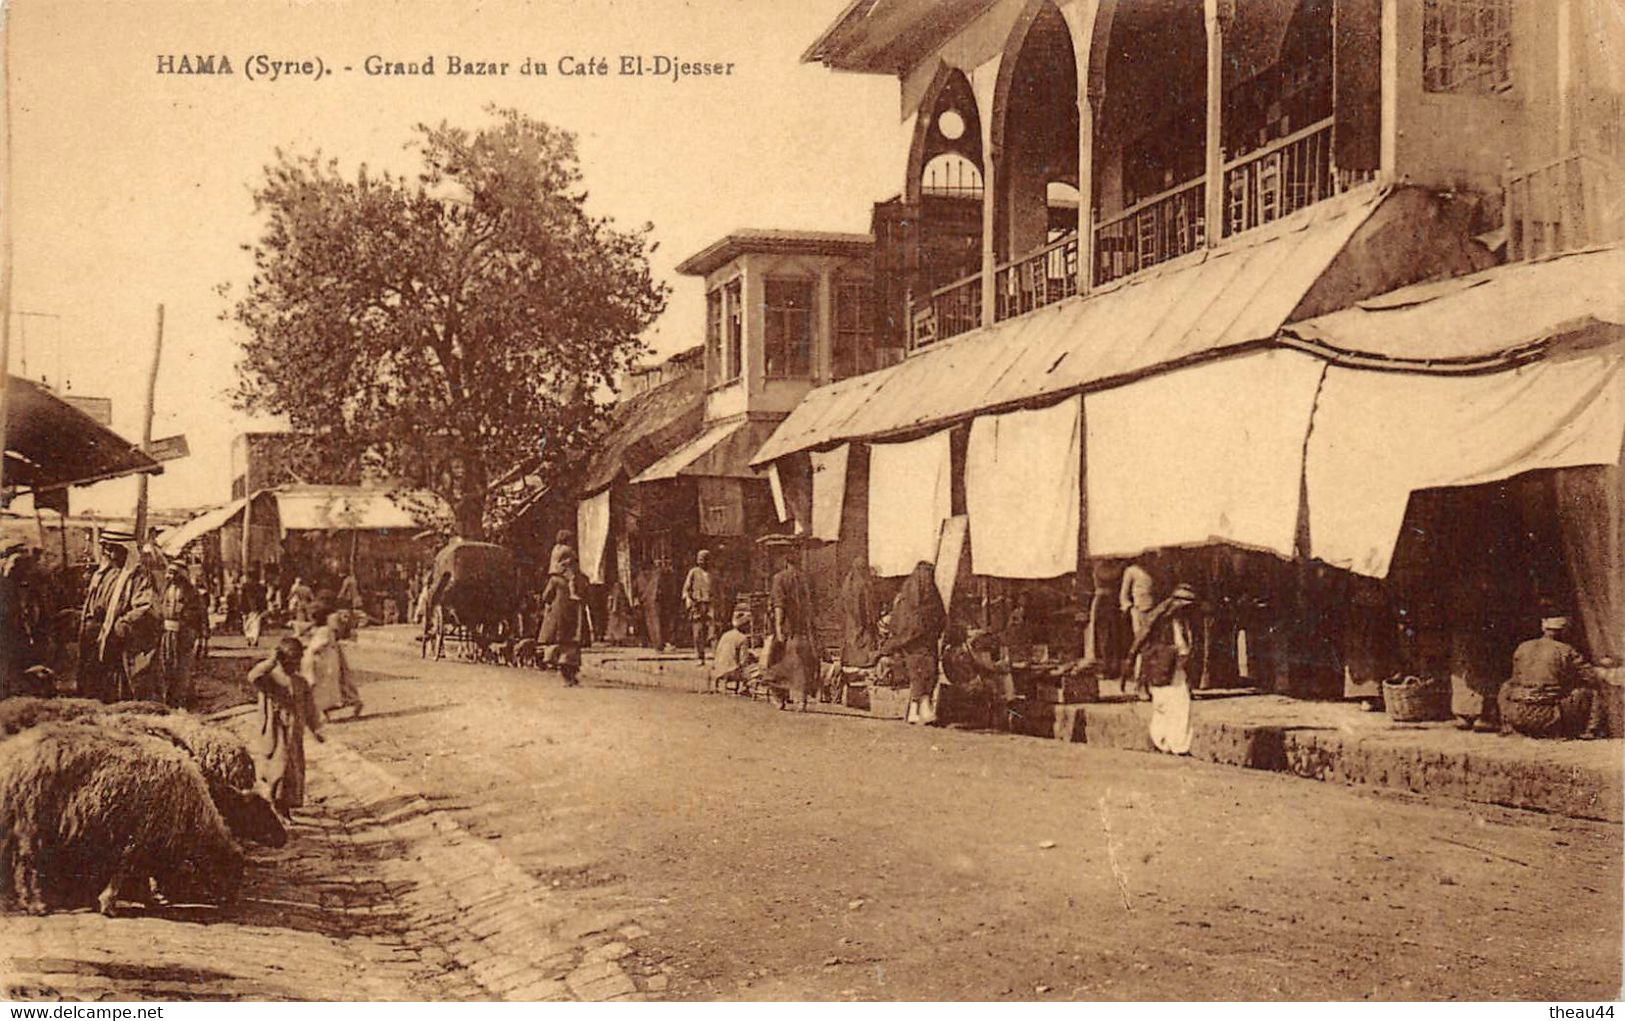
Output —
(714, 369)
(734, 334)
(1467, 45)
(854, 326)
(789, 329)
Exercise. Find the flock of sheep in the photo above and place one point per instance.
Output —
(130, 801)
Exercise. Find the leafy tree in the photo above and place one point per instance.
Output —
(442, 330)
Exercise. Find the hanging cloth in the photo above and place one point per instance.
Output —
(828, 491)
(910, 495)
(1021, 492)
(1378, 437)
(592, 533)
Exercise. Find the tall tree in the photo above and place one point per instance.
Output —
(444, 329)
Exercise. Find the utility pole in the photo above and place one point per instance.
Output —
(5, 243)
(146, 430)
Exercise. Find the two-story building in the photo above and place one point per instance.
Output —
(1219, 285)
(785, 311)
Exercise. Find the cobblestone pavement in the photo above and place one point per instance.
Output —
(378, 896)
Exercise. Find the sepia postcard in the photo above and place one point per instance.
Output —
(596, 501)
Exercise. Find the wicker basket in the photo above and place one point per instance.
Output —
(1416, 699)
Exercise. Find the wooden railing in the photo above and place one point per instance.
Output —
(1284, 177)
(1038, 279)
(1566, 204)
(947, 312)
(1162, 227)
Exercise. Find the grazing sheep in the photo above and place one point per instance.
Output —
(19, 713)
(227, 767)
(88, 811)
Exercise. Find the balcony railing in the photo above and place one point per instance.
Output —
(1566, 204)
(1284, 177)
(949, 311)
(1162, 227)
(1041, 278)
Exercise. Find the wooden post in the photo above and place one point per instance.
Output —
(5, 253)
(146, 429)
(1217, 15)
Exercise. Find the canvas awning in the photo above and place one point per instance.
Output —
(1379, 437)
(1197, 308)
(338, 508)
(722, 451)
(1469, 322)
(50, 443)
(177, 539)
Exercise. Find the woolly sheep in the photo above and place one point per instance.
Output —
(88, 811)
(21, 712)
(227, 768)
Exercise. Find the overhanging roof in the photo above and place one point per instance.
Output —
(176, 539)
(1194, 308)
(645, 428)
(1490, 316)
(50, 443)
(888, 36)
(774, 242)
(722, 451)
(337, 508)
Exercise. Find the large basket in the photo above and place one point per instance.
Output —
(1416, 699)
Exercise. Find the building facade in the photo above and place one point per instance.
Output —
(1213, 287)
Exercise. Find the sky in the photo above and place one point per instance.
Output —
(133, 187)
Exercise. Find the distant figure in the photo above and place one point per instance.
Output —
(697, 601)
(326, 668)
(350, 597)
(917, 620)
(1553, 691)
(564, 544)
(566, 624)
(252, 599)
(1137, 597)
(178, 608)
(732, 663)
(286, 712)
(301, 600)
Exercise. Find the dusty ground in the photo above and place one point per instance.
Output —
(775, 856)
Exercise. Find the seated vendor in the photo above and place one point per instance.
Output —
(1552, 692)
(733, 660)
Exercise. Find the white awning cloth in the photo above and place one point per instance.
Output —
(910, 495)
(1211, 453)
(1378, 437)
(1021, 491)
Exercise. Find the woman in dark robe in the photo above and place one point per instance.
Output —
(795, 673)
(565, 626)
(286, 712)
(860, 635)
(917, 620)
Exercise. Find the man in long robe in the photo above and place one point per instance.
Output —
(178, 610)
(795, 673)
(128, 642)
(96, 676)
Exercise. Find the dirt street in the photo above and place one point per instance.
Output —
(773, 855)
